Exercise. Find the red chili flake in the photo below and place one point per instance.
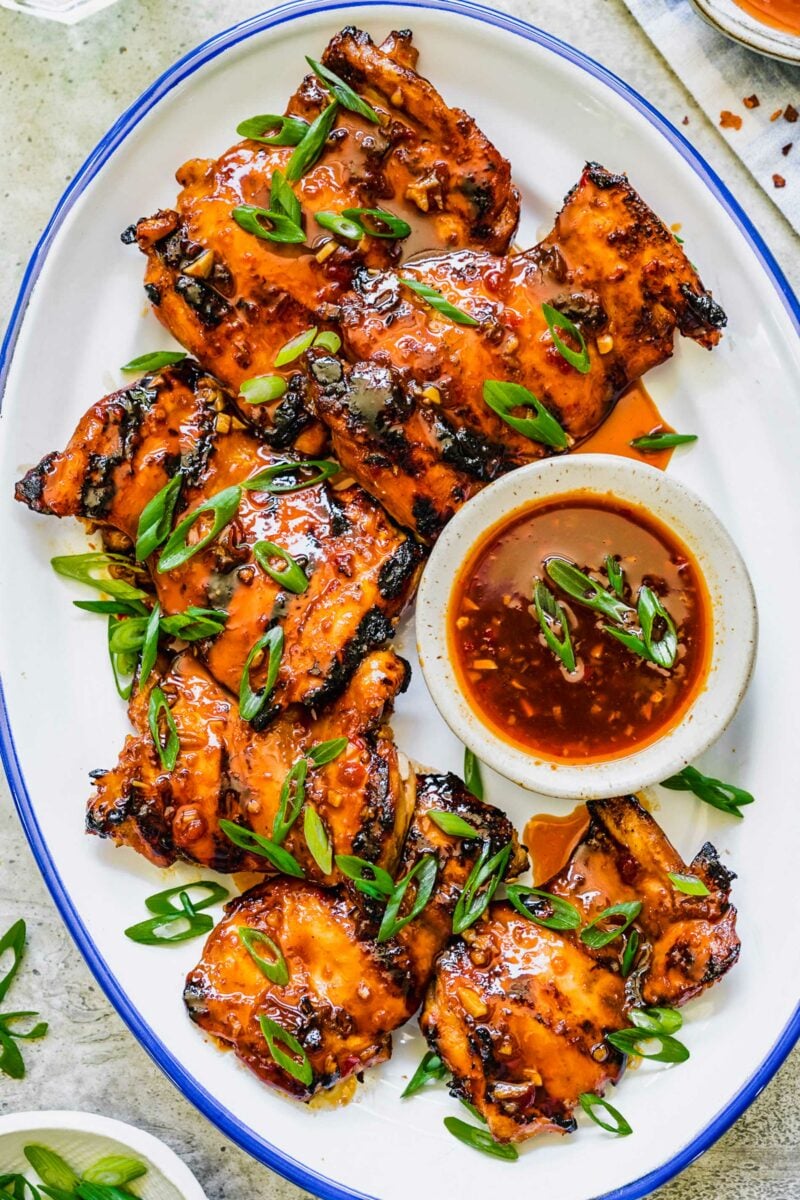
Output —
(751, 101)
(779, 181)
(685, 121)
(790, 113)
(776, 114)
(787, 148)
(729, 120)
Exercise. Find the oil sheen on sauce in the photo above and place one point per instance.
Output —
(550, 841)
(616, 701)
(780, 14)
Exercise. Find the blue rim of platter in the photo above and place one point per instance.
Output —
(222, 1117)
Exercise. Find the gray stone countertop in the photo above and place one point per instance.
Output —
(60, 89)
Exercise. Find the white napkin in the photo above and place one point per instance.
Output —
(720, 74)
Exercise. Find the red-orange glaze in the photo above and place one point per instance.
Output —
(780, 14)
(550, 841)
(634, 416)
(615, 701)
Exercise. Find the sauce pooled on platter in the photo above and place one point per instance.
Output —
(615, 700)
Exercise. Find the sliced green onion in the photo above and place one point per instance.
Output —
(690, 885)
(472, 774)
(292, 577)
(325, 752)
(266, 480)
(636, 1041)
(480, 1139)
(117, 608)
(295, 347)
(553, 912)
(482, 883)
(165, 930)
(268, 224)
(722, 796)
(556, 320)
(252, 702)
(168, 752)
(115, 1170)
(426, 869)
(275, 1036)
(656, 1020)
(51, 1168)
(194, 624)
(308, 151)
(121, 664)
(662, 441)
(91, 1191)
(452, 824)
(328, 340)
(13, 940)
(289, 131)
(16, 1186)
(149, 645)
(275, 967)
(629, 953)
(586, 591)
(343, 92)
(438, 302)
(551, 614)
(33, 1034)
(224, 505)
(595, 937)
(263, 389)
(616, 576)
(317, 839)
(664, 650)
(381, 224)
(283, 200)
(503, 398)
(339, 225)
(590, 1103)
(11, 1061)
(128, 635)
(368, 878)
(155, 521)
(83, 568)
(155, 360)
(254, 843)
(431, 1067)
(161, 902)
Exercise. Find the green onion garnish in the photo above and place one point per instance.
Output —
(84, 568)
(472, 774)
(155, 360)
(268, 224)
(595, 937)
(114, 1171)
(431, 1067)
(263, 389)
(553, 912)
(165, 930)
(551, 616)
(295, 347)
(636, 1042)
(194, 624)
(283, 200)
(325, 752)
(13, 942)
(452, 824)
(308, 151)
(11, 1182)
(149, 644)
(629, 954)
(288, 131)
(290, 801)
(292, 577)
(587, 591)
(317, 839)
(438, 302)
(722, 796)
(167, 752)
(377, 222)
(556, 320)
(480, 1139)
(391, 924)
(254, 843)
(266, 480)
(503, 398)
(616, 576)
(275, 967)
(252, 702)
(121, 664)
(368, 878)
(662, 441)
(340, 225)
(155, 521)
(117, 608)
(482, 883)
(328, 340)
(590, 1103)
(178, 551)
(51, 1168)
(343, 93)
(662, 651)
(690, 885)
(161, 903)
(656, 1020)
(298, 1066)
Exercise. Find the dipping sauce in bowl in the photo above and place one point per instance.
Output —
(600, 699)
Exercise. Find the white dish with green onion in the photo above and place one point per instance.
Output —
(549, 111)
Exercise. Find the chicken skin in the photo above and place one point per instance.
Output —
(224, 769)
(361, 569)
(519, 1013)
(409, 418)
(346, 991)
(233, 298)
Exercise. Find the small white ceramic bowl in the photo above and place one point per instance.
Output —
(81, 1138)
(733, 607)
(728, 18)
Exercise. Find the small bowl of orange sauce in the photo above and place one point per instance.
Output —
(586, 626)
